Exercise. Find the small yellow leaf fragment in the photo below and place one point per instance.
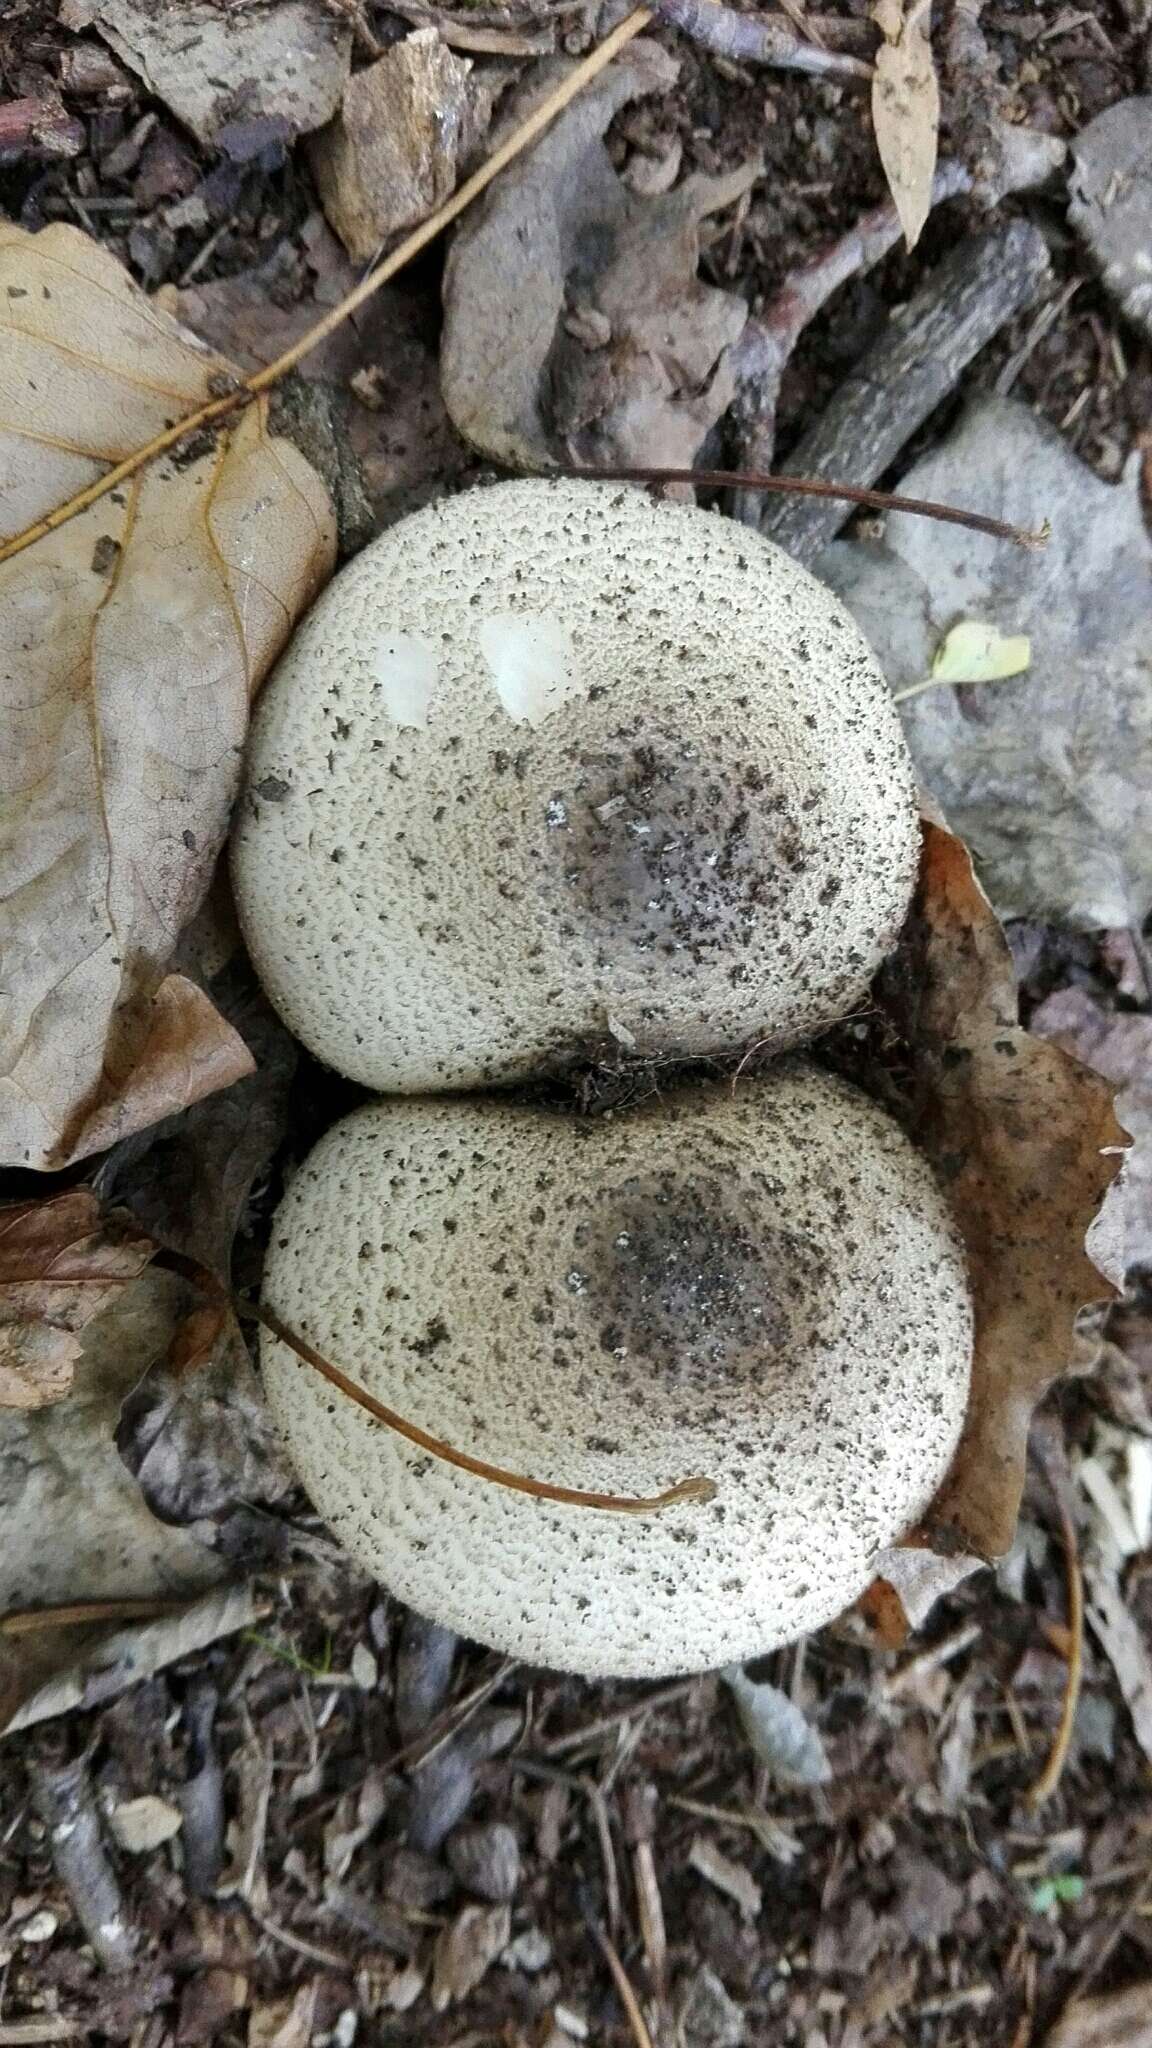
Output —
(972, 652)
(906, 108)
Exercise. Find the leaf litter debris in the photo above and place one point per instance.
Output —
(134, 640)
(702, 1993)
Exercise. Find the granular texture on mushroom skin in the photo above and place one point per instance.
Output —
(550, 764)
(760, 1287)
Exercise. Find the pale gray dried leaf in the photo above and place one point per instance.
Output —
(76, 1524)
(389, 157)
(356, 1815)
(708, 2017)
(778, 1735)
(906, 108)
(575, 324)
(98, 1664)
(210, 65)
(1110, 203)
(728, 1876)
(486, 1860)
(920, 1578)
(77, 1527)
(197, 1435)
(1049, 776)
(1118, 1044)
(142, 1824)
(245, 1877)
(1117, 1630)
(464, 1951)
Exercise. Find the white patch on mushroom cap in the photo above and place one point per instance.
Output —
(406, 668)
(661, 780)
(762, 1287)
(532, 662)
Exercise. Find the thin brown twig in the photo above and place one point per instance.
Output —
(218, 409)
(448, 1725)
(579, 1738)
(533, 1768)
(819, 487)
(1050, 1776)
(628, 1998)
(30, 1621)
(517, 1482)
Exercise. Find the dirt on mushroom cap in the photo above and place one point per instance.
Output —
(551, 764)
(763, 1287)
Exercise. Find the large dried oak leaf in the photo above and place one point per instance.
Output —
(1025, 1143)
(131, 641)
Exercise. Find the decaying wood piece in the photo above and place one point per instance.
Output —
(916, 362)
(1014, 160)
(64, 1801)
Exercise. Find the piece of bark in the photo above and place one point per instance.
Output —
(1012, 159)
(916, 362)
(63, 1799)
(202, 1793)
(423, 1674)
(389, 158)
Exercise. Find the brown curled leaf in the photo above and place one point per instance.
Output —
(61, 1263)
(1026, 1144)
(131, 641)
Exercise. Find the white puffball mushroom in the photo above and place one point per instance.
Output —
(761, 1287)
(550, 764)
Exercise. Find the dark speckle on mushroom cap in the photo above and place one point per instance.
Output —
(763, 1287)
(552, 762)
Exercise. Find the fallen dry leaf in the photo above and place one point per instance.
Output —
(576, 326)
(779, 1735)
(1117, 1044)
(187, 1180)
(76, 1526)
(195, 1430)
(1122, 2019)
(728, 1876)
(465, 1949)
(57, 1670)
(61, 1263)
(906, 108)
(133, 640)
(1048, 777)
(1025, 1144)
(284, 2022)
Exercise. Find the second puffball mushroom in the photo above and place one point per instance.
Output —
(550, 765)
(761, 1287)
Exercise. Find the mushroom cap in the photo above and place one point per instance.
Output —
(550, 764)
(761, 1287)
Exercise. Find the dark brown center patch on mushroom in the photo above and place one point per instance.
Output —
(680, 1279)
(666, 853)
